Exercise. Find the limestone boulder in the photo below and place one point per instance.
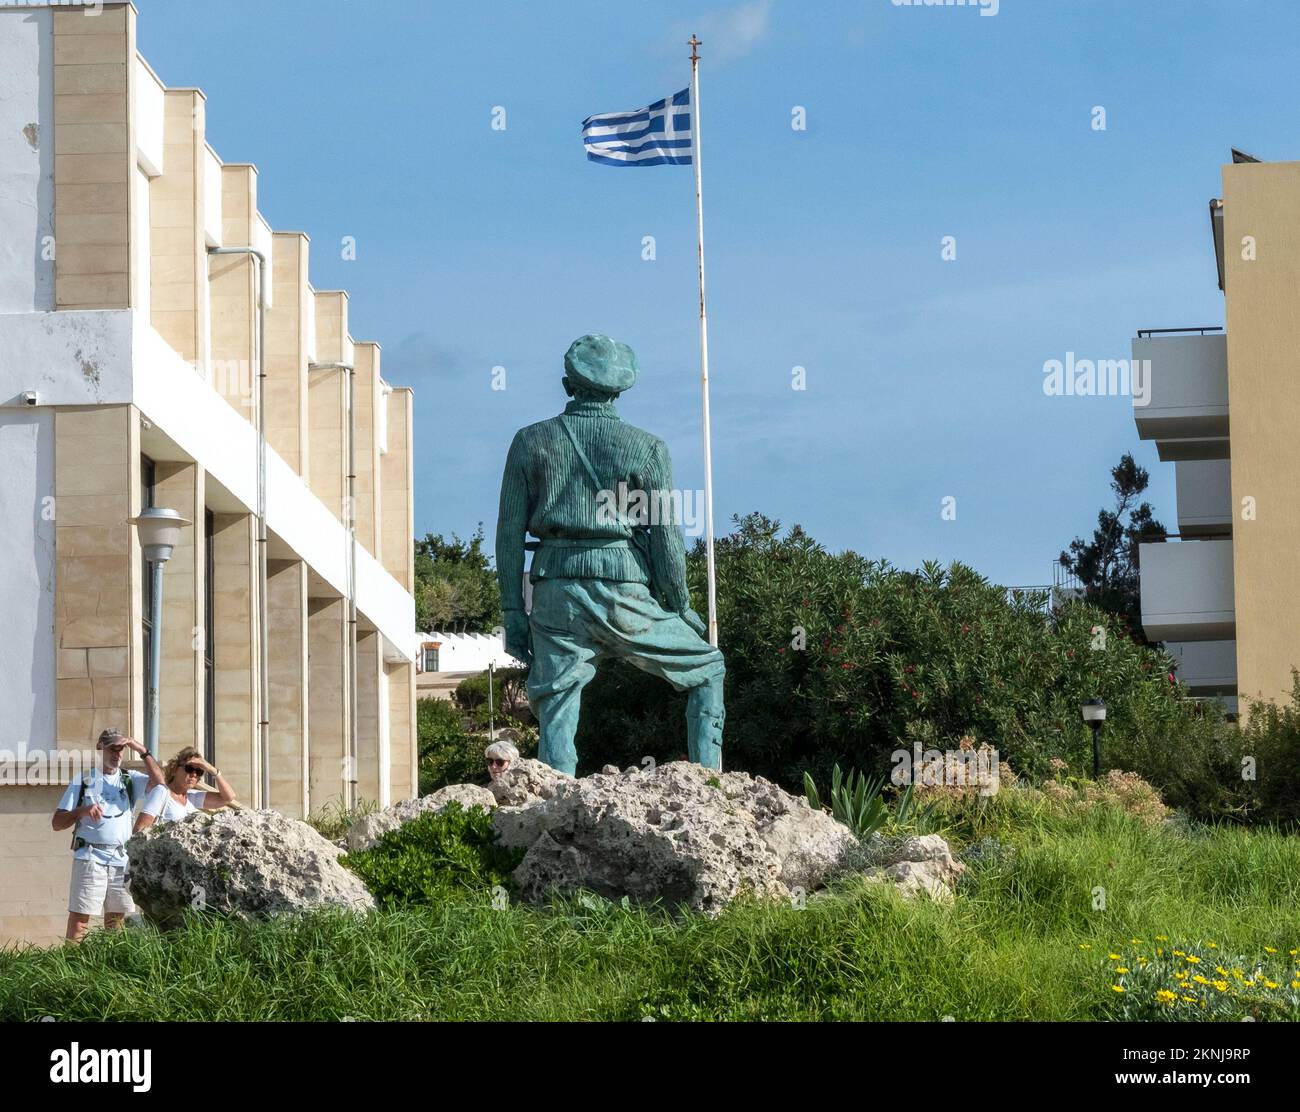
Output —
(676, 833)
(368, 829)
(809, 844)
(245, 864)
(526, 781)
(918, 865)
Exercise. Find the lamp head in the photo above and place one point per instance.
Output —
(1093, 711)
(160, 532)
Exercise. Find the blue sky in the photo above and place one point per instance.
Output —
(479, 248)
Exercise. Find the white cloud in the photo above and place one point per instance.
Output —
(731, 33)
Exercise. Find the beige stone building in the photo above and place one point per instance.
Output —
(161, 345)
(1224, 408)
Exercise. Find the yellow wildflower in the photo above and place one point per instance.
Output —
(1190, 999)
(1115, 957)
(1193, 959)
(1201, 980)
(1269, 950)
(1213, 945)
(1162, 938)
(1222, 986)
(1118, 988)
(1136, 941)
(1122, 969)
(1270, 984)
(1179, 954)
(1166, 997)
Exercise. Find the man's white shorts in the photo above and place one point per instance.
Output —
(99, 889)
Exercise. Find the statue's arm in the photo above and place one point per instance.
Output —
(667, 549)
(512, 526)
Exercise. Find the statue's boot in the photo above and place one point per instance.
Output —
(705, 715)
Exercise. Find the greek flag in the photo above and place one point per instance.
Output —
(654, 136)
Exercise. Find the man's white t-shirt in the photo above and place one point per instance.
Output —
(163, 806)
(114, 829)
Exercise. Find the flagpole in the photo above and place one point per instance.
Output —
(704, 344)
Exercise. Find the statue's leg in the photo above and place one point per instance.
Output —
(634, 626)
(705, 715)
(563, 664)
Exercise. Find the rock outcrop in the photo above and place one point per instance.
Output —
(526, 781)
(368, 829)
(919, 865)
(240, 863)
(678, 833)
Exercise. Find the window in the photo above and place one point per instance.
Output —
(430, 658)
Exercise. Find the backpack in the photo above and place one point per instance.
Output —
(87, 778)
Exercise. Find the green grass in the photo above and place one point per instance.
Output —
(1008, 949)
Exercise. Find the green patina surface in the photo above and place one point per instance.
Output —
(609, 569)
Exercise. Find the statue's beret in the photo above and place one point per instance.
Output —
(601, 363)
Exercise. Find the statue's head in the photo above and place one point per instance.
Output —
(598, 366)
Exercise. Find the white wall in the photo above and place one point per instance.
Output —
(141, 240)
(469, 652)
(26, 159)
(211, 197)
(72, 357)
(149, 116)
(27, 578)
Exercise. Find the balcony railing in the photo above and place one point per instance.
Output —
(1198, 329)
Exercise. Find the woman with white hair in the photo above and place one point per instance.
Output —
(499, 755)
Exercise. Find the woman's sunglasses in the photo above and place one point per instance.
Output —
(194, 770)
(495, 761)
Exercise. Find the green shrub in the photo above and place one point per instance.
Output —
(436, 858)
(509, 695)
(1270, 740)
(449, 754)
(452, 744)
(839, 659)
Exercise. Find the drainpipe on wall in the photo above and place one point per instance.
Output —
(264, 669)
(350, 524)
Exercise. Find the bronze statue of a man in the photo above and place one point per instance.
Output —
(606, 583)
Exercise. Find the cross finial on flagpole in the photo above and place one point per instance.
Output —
(693, 43)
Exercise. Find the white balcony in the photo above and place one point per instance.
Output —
(1204, 497)
(1207, 667)
(1187, 591)
(1180, 394)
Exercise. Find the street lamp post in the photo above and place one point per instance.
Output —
(159, 531)
(1094, 714)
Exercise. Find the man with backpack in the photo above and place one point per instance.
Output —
(98, 806)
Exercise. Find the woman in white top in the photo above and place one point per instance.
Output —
(179, 794)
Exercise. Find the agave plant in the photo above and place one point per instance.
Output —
(855, 800)
(910, 814)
